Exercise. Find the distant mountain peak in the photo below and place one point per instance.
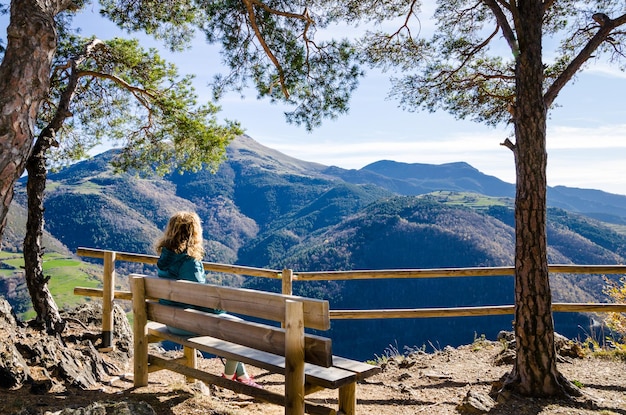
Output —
(400, 170)
(259, 156)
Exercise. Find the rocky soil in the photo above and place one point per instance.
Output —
(450, 381)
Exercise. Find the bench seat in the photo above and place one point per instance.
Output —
(326, 377)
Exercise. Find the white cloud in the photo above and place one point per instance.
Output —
(604, 137)
(604, 69)
(481, 151)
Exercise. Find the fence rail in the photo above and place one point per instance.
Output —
(288, 276)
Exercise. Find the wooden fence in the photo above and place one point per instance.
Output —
(288, 276)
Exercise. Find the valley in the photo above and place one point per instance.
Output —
(264, 209)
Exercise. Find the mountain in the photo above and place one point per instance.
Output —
(593, 203)
(263, 208)
(416, 179)
(13, 238)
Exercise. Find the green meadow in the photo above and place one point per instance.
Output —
(65, 273)
(468, 199)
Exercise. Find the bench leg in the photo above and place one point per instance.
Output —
(294, 358)
(191, 360)
(347, 399)
(140, 342)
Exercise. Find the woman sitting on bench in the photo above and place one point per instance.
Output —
(181, 251)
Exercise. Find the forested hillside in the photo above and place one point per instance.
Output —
(265, 209)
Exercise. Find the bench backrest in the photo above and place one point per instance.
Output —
(147, 291)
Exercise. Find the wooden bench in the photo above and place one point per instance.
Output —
(305, 360)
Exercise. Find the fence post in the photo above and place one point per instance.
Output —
(108, 293)
(287, 281)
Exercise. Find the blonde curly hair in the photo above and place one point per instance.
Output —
(183, 234)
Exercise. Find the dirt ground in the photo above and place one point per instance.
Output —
(433, 384)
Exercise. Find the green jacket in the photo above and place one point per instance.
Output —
(182, 267)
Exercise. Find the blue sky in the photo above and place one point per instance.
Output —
(586, 132)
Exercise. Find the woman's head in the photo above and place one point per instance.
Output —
(183, 234)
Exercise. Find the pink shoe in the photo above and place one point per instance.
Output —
(249, 381)
(246, 381)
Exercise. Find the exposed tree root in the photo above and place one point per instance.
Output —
(509, 384)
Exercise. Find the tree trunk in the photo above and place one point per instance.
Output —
(47, 311)
(43, 303)
(535, 372)
(24, 83)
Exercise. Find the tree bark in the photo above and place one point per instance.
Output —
(24, 83)
(48, 316)
(534, 372)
